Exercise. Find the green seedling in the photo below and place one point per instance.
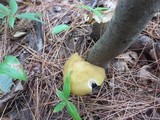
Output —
(60, 28)
(65, 102)
(10, 69)
(10, 13)
(97, 11)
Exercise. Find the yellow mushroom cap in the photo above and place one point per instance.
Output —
(83, 74)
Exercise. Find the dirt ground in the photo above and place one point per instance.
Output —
(131, 90)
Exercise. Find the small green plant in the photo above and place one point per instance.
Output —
(11, 14)
(60, 28)
(96, 11)
(64, 97)
(10, 69)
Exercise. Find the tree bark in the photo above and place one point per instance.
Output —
(129, 19)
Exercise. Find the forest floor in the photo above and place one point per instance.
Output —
(131, 90)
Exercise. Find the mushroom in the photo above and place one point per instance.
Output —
(83, 75)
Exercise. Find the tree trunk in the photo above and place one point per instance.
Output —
(129, 19)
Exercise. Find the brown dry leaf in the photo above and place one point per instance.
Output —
(120, 66)
(145, 73)
(18, 87)
(19, 34)
(110, 4)
(5, 118)
(107, 15)
(24, 1)
(5, 98)
(105, 18)
(19, 0)
(129, 56)
(155, 52)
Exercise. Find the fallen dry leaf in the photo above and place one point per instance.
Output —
(129, 56)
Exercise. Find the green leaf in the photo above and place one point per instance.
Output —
(61, 95)
(60, 28)
(86, 7)
(11, 21)
(73, 111)
(2, 15)
(4, 10)
(12, 68)
(13, 6)
(11, 60)
(66, 86)
(101, 8)
(59, 106)
(5, 83)
(98, 13)
(30, 16)
(95, 11)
